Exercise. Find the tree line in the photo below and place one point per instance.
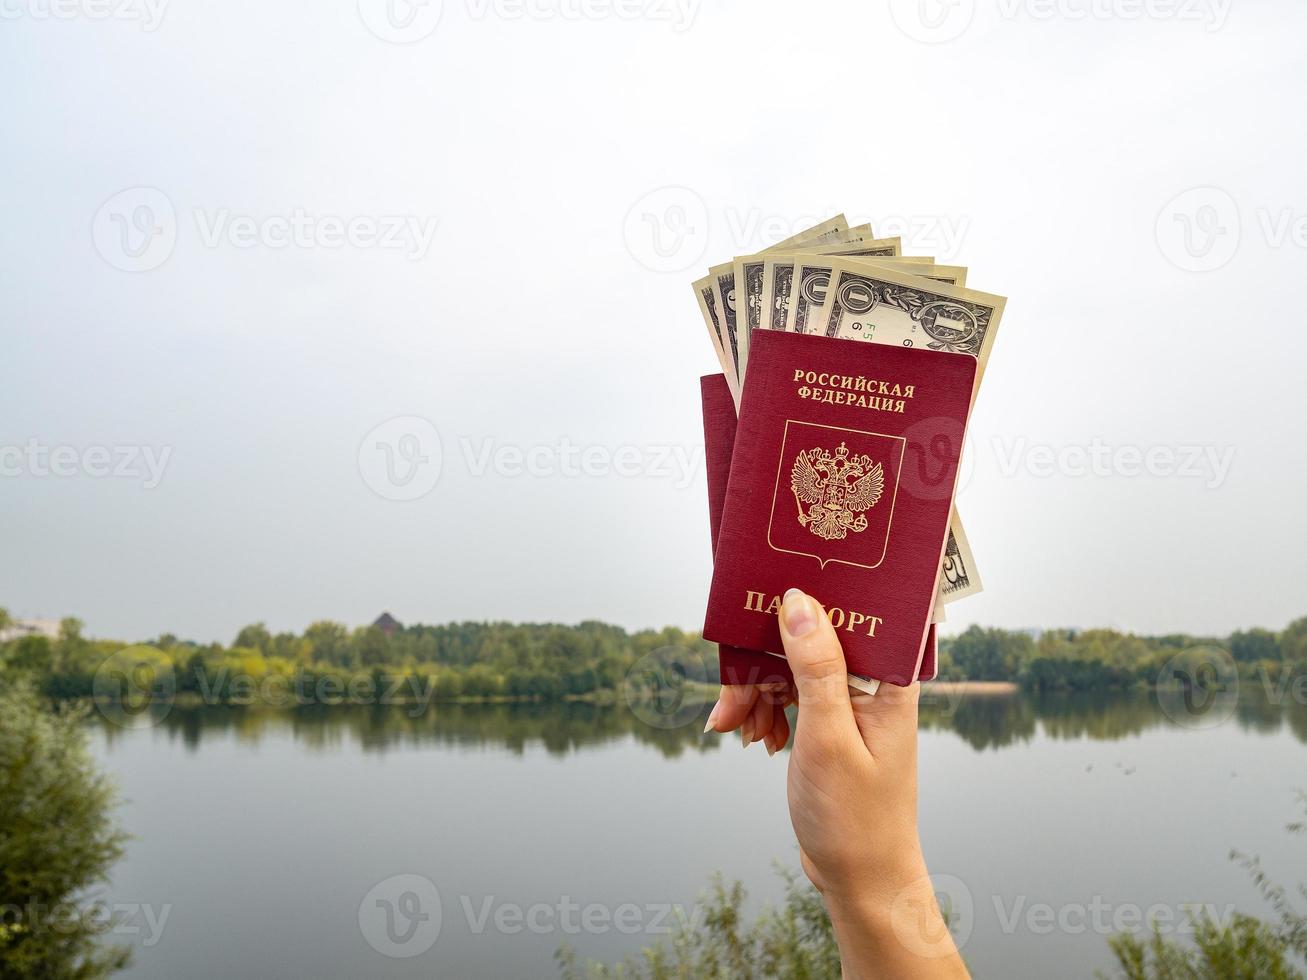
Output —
(549, 661)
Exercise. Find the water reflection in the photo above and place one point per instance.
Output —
(983, 721)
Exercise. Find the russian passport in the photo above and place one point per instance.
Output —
(837, 478)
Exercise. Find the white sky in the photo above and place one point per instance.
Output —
(1043, 147)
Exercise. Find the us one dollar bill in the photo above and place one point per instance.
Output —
(712, 303)
(778, 282)
(887, 306)
(741, 309)
(812, 277)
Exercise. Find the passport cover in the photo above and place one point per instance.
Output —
(841, 481)
(736, 666)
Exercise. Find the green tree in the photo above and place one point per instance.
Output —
(1250, 646)
(1245, 949)
(990, 654)
(57, 838)
(254, 637)
(794, 941)
(1293, 642)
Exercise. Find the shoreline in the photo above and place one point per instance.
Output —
(1001, 688)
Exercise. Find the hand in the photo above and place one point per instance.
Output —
(852, 788)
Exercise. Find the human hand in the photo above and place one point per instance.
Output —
(852, 789)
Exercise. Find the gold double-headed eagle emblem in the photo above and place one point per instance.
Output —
(833, 491)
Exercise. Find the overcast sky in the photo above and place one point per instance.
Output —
(283, 263)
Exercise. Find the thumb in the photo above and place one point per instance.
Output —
(817, 661)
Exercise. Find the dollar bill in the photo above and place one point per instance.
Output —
(707, 300)
(712, 303)
(811, 278)
(887, 306)
(778, 278)
(959, 576)
(743, 284)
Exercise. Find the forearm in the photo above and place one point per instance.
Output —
(895, 930)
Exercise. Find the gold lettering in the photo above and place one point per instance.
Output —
(753, 602)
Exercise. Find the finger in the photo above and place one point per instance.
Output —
(888, 721)
(817, 661)
(734, 704)
(758, 726)
(780, 730)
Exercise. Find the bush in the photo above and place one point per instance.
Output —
(57, 839)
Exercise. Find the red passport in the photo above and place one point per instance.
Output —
(737, 666)
(841, 481)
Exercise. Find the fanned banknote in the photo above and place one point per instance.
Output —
(886, 306)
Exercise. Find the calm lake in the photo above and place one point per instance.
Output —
(472, 841)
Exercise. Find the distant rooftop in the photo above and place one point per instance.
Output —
(19, 628)
(387, 623)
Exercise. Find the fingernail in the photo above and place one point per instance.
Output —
(746, 732)
(798, 614)
(771, 747)
(712, 717)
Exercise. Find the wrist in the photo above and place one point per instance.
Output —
(872, 893)
(893, 921)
